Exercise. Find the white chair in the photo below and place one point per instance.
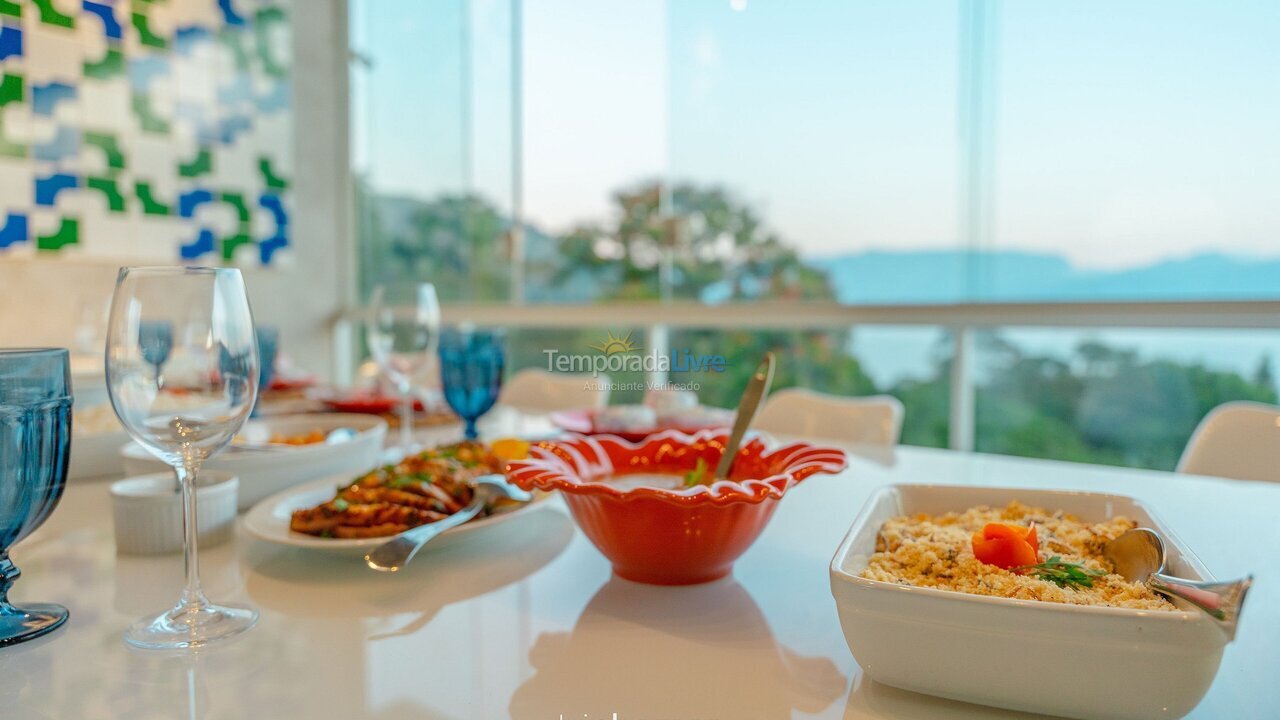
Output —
(873, 420)
(537, 390)
(1239, 440)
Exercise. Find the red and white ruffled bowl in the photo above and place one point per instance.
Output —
(670, 536)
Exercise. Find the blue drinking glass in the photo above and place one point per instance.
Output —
(155, 340)
(471, 364)
(268, 348)
(35, 442)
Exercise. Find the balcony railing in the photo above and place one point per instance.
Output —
(962, 319)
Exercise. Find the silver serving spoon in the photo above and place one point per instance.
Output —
(757, 389)
(394, 554)
(1138, 555)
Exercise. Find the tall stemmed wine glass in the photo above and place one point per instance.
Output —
(183, 406)
(402, 345)
(35, 441)
(471, 365)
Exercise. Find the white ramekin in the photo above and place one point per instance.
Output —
(148, 512)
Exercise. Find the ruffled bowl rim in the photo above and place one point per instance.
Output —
(562, 465)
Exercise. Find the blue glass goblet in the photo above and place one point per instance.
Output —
(35, 441)
(268, 348)
(471, 364)
(155, 340)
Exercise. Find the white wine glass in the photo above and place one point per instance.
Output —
(403, 344)
(183, 405)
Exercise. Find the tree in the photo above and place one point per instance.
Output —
(1262, 377)
(715, 248)
(456, 242)
(712, 247)
(1101, 404)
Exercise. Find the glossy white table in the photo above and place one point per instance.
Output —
(528, 623)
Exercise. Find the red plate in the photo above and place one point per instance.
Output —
(582, 421)
(368, 404)
(287, 384)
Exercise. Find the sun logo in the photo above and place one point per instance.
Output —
(613, 344)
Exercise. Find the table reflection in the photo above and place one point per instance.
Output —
(25, 675)
(306, 584)
(695, 651)
(870, 700)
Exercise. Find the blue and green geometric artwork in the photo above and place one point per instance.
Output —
(152, 130)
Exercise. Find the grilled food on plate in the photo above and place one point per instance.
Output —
(421, 489)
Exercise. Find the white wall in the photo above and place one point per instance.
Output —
(41, 299)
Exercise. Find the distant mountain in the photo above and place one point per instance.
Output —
(942, 276)
(923, 276)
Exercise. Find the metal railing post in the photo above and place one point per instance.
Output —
(343, 351)
(961, 425)
(658, 341)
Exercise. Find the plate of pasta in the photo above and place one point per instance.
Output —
(356, 514)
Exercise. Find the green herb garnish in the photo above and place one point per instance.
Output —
(1062, 573)
(340, 504)
(400, 482)
(698, 475)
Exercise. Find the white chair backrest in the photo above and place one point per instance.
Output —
(873, 420)
(539, 390)
(1239, 440)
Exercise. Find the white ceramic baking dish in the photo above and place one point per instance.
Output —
(1067, 660)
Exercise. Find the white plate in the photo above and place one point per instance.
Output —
(265, 472)
(1064, 660)
(269, 519)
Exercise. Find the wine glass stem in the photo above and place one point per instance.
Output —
(193, 596)
(471, 431)
(406, 417)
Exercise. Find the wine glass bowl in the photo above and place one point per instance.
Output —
(471, 366)
(35, 444)
(182, 374)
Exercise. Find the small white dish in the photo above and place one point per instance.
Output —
(96, 454)
(264, 472)
(88, 380)
(147, 512)
(269, 520)
(1066, 660)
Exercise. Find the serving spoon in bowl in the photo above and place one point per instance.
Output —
(394, 554)
(1139, 556)
(757, 389)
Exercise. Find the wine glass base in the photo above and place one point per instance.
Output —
(190, 627)
(30, 621)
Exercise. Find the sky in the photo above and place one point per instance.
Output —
(1125, 133)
